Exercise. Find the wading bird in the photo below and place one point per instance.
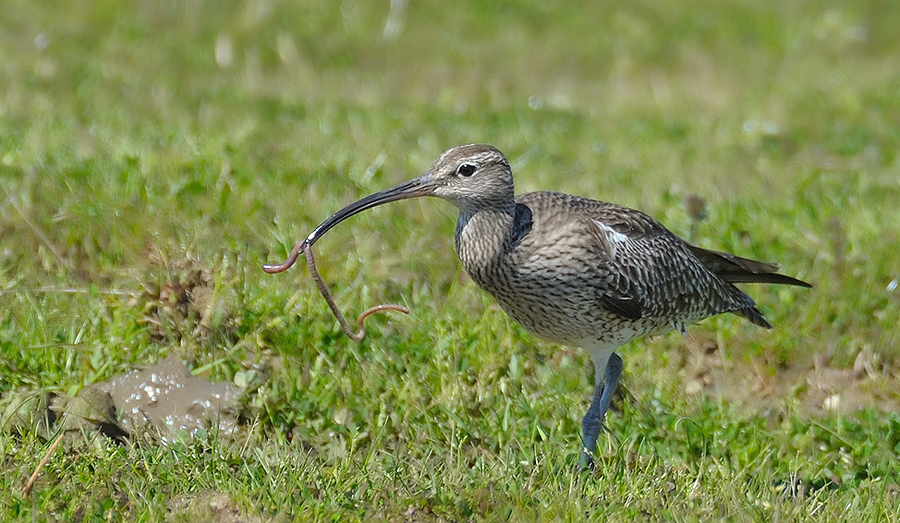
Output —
(572, 270)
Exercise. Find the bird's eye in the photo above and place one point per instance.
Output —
(466, 169)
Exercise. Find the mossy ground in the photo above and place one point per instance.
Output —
(150, 148)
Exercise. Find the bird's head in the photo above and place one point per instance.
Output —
(472, 177)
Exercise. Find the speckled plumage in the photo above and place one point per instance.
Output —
(576, 271)
(587, 272)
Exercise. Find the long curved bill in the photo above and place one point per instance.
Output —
(414, 188)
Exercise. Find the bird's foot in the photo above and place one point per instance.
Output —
(586, 463)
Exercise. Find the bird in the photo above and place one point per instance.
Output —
(576, 271)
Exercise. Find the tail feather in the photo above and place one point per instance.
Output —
(735, 269)
(755, 317)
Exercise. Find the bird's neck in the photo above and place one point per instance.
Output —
(483, 238)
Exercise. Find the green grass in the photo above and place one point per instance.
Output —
(141, 142)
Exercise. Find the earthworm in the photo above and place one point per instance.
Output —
(306, 247)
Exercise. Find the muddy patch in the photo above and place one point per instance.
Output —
(164, 402)
(208, 506)
(820, 389)
(168, 401)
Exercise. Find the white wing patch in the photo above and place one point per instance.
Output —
(613, 236)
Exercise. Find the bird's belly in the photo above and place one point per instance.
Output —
(566, 319)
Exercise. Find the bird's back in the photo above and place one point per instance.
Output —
(581, 271)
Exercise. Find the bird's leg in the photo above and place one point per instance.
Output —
(592, 423)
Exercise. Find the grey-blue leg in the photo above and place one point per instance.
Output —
(592, 424)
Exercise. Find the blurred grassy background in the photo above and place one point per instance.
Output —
(145, 143)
